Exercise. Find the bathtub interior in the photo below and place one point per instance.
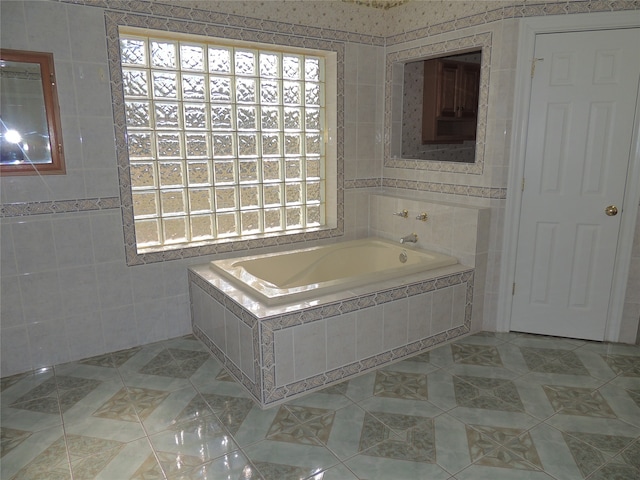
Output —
(306, 273)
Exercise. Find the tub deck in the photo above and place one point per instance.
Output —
(283, 351)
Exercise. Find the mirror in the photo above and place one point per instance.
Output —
(439, 108)
(404, 116)
(30, 130)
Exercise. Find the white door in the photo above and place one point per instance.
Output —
(581, 115)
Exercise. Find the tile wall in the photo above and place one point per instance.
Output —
(66, 290)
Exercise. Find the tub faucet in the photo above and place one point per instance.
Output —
(411, 238)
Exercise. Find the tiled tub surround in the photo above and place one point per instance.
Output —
(279, 353)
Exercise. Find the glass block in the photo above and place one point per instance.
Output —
(250, 222)
(247, 145)
(245, 90)
(171, 174)
(248, 170)
(143, 175)
(169, 145)
(140, 145)
(166, 115)
(292, 119)
(165, 85)
(220, 88)
(269, 92)
(175, 230)
(195, 115)
(192, 57)
(222, 145)
(246, 118)
(271, 144)
(313, 145)
(293, 169)
(293, 193)
(314, 193)
(196, 145)
(227, 224)
(224, 172)
(201, 227)
(147, 232)
(221, 117)
(225, 198)
(272, 194)
(312, 118)
(313, 167)
(294, 217)
(292, 144)
(270, 118)
(138, 114)
(199, 173)
(200, 200)
(272, 219)
(135, 83)
(312, 94)
(193, 87)
(314, 215)
(219, 60)
(245, 61)
(270, 169)
(291, 92)
(269, 65)
(249, 196)
(291, 67)
(133, 52)
(145, 204)
(312, 69)
(163, 54)
(172, 202)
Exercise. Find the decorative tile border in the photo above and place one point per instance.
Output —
(224, 20)
(449, 188)
(515, 11)
(362, 183)
(22, 209)
(264, 388)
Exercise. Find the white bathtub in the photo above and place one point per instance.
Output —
(296, 275)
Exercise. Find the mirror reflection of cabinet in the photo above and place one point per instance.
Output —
(450, 101)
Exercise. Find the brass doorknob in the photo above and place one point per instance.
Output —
(611, 210)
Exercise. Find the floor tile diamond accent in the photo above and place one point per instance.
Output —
(90, 455)
(280, 471)
(551, 360)
(635, 395)
(149, 470)
(487, 393)
(400, 437)
(189, 360)
(591, 451)
(287, 427)
(231, 411)
(52, 464)
(624, 365)
(400, 385)
(178, 466)
(129, 404)
(502, 447)
(476, 355)
(10, 438)
(578, 401)
(614, 471)
(164, 365)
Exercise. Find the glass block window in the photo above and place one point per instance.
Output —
(225, 141)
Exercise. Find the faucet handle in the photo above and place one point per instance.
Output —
(403, 213)
(423, 216)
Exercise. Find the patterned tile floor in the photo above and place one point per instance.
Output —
(489, 406)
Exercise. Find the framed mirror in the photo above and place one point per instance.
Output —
(444, 131)
(30, 129)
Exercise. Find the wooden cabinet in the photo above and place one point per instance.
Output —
(450, 101)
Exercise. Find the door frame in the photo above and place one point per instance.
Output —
(529, 28)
